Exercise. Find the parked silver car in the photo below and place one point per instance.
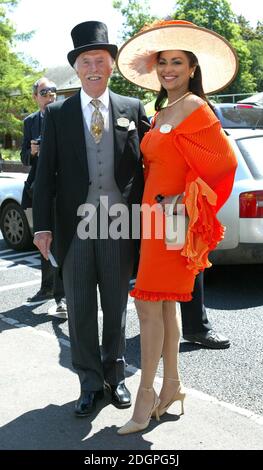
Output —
(239, 116)
(243, 213)
(16, 226)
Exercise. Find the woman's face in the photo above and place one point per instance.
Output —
(173, 70)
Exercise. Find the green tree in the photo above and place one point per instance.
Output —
(135, 17)
(16, 77)
(246, 30)
(256, 51)
(254, 40)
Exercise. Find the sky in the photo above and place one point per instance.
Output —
(52, 21)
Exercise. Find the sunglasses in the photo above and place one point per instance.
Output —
(48, 90)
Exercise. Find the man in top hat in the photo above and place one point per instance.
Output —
(90, 150)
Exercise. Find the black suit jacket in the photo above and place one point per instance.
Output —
(63, 167)
(32, 130)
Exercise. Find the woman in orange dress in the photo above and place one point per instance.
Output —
(185, 154)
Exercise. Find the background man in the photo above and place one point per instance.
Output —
(44, 93)
(195, 323)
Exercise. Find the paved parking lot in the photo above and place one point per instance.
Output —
(224, 387)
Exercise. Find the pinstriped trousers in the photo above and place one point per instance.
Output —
(107, 264)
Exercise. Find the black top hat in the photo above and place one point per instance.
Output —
(88, 36)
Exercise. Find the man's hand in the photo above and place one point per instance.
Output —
(43, 241)
(34, 148)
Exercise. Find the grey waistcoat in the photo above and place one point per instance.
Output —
(101, 167)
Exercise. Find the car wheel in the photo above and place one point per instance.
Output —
(14, 227)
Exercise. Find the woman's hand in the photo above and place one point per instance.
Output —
(167, 200)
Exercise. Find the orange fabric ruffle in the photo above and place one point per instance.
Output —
(204, 229)
(158, 296)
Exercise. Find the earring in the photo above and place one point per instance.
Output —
(192, 75)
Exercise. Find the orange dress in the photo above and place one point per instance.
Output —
(194, 158)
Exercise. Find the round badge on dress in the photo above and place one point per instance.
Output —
(165, 128)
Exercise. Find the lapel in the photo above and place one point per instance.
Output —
(76, 131)
(36, 127)
(120, 134)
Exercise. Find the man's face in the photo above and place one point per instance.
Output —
(94, 69)
(49, 95)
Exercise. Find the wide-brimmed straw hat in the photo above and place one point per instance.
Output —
(136, 59)
(89, 36)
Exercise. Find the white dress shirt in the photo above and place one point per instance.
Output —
(88, 108)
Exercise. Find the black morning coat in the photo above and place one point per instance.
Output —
(32, 131)
(63, 168)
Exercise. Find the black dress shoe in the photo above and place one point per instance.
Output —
(41, 296)
(86, 403)
(120, 395)
(210, 339)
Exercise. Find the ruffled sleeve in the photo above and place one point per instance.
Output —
(207, 151)
(212, 164)
(204, 229)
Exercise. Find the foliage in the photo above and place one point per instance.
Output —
(135, 17)
(212, 14)
(254, 40)
(247, 32)
(10, 154)
(120, 85)
(16, 77)
(256, 50)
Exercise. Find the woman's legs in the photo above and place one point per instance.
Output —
(160, 334)
(152, 336)
(170, 352)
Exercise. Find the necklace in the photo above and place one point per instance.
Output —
(179, 99)
(166, 128)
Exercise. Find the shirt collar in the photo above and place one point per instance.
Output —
(85, 99)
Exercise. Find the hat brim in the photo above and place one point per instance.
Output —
(72, 55)
(218, 60)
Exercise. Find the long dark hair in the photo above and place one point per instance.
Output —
(195, 84)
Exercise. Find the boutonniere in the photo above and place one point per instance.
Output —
(123, 122)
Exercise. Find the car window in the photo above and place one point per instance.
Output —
(251, 149)
(239, 117)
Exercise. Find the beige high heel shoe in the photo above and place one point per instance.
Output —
(178, 396)
(131, 426)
